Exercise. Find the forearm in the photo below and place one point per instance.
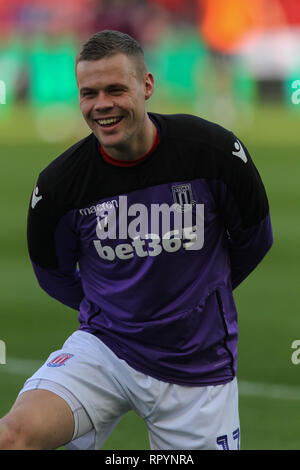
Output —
(246, 253)
(64, 287)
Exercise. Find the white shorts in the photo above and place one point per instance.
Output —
(100, 388)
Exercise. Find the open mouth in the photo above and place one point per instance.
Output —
(109, 122)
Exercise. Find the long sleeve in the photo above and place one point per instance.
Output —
(53, 248)
(244, 209)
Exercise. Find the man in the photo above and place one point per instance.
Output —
(145, 227)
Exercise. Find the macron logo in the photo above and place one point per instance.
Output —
(239, 151)
(35, 198)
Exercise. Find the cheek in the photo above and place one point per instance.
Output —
(131, 102)
(86, 103)
(136, 107)
(82, 107)
(85, 109)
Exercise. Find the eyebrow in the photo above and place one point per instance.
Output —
(108, 87)
(84, 89)
(117, 85)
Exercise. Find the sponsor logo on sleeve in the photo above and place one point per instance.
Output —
(239, 151)
(35, 198)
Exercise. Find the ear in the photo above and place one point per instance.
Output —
(149, 85)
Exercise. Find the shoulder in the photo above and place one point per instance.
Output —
(69, 163)
(60, 182)
(194, 130)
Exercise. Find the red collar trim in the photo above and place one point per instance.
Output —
(129, 163)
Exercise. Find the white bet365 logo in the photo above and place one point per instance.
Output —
(191, 238)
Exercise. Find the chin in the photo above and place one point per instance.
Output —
(111, 143)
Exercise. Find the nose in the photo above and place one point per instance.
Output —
(103, 101)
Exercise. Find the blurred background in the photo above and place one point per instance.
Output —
(235, 62)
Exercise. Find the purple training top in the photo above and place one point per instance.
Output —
(150, 254)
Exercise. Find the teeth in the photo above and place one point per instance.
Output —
(108, 121)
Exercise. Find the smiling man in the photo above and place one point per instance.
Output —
(144, 227)
(112, 94)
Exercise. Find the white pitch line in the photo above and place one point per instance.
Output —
(277, 391)
(26, 367)
(19, 366)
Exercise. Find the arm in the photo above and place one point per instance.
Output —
(248, 248)
(243, 206)
(53, 248)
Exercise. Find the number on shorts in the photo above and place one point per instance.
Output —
(223, 440)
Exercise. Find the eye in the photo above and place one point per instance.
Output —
(87, 93)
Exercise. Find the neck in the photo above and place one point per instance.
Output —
(137, 147)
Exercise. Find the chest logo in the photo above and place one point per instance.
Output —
(183, 197)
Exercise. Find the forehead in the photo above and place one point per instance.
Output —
(115, 68)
